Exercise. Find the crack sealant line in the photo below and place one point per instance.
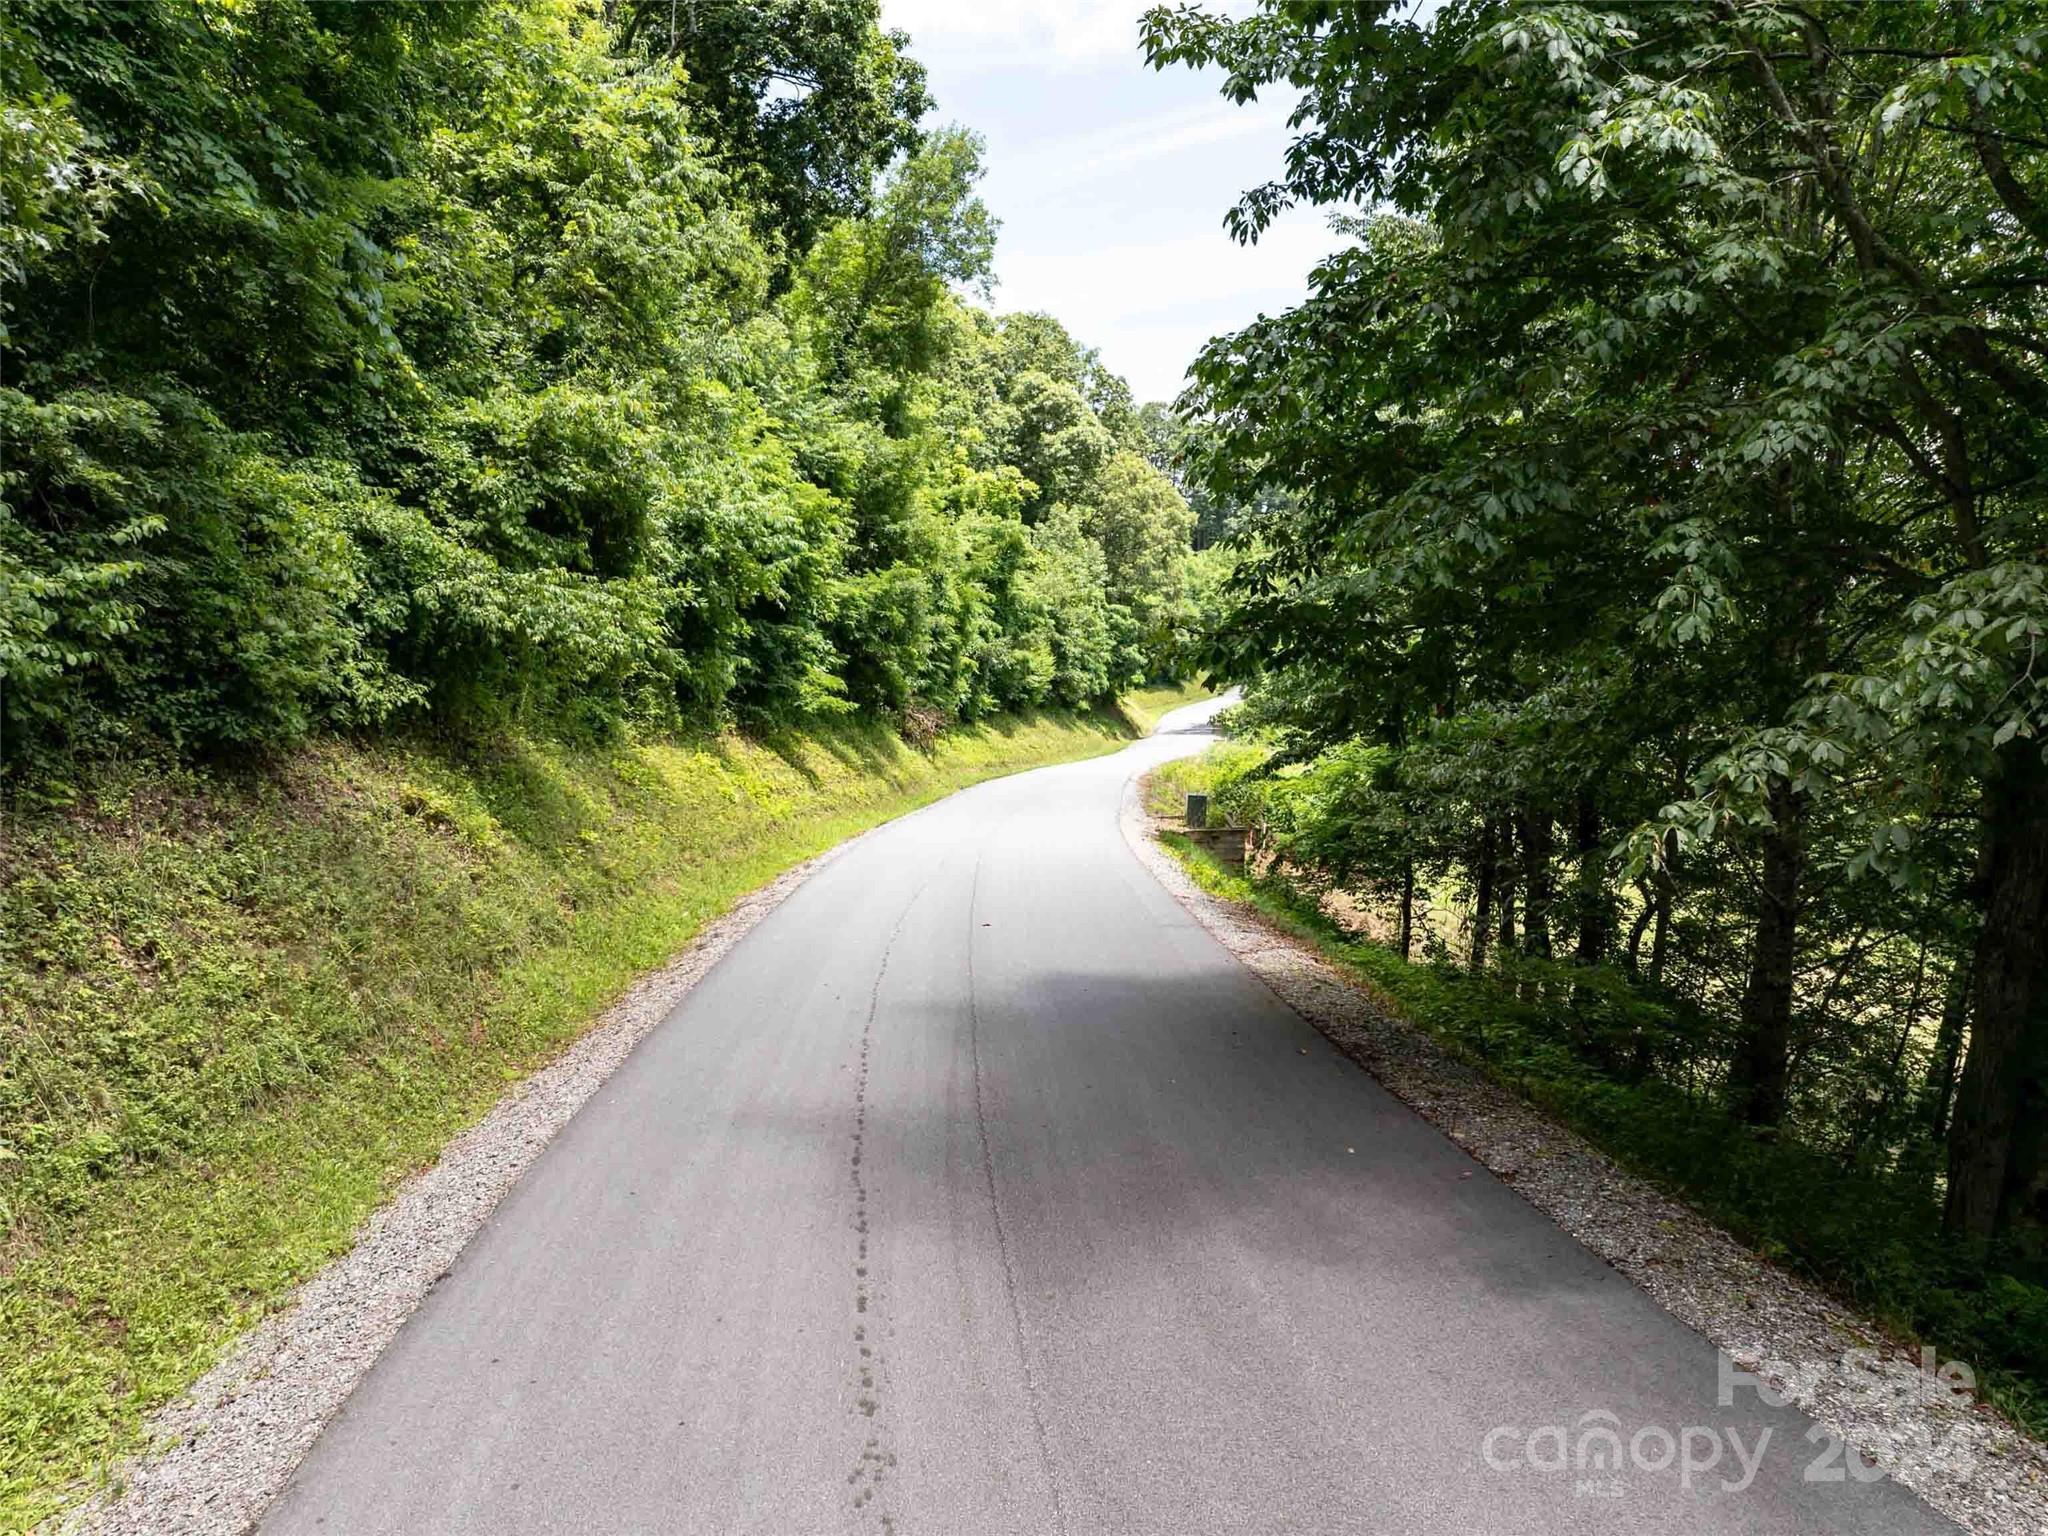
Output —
(875, 1458)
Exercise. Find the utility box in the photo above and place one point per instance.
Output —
(1198, 811)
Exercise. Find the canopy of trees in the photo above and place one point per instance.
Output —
(1645, 542)
(549, 362)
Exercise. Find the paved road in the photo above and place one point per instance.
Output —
(978, 1192)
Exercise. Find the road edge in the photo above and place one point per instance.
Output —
(1961, 1458)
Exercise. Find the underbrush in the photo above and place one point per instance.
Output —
(236, 1010)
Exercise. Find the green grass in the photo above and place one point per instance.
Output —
(1145, 707)
(236, 1011)
(1549, 1032)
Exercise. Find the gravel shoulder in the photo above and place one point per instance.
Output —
(1897, 1407)
(221, 1453)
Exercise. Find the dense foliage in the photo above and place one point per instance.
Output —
(549, 362)
(1645, 550)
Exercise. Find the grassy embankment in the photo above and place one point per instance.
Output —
(235, 1012)
(1546, 1031)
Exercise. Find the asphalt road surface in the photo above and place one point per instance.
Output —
(979, 1191)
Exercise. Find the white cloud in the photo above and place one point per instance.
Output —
(1111, 178)
(999, 31)
(1090, 156)
(1137, 279)
(1149, 305)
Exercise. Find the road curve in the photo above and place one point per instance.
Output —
(979, 1192)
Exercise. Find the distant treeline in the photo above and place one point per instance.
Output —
(549, 362)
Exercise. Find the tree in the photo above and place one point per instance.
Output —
(807, 101)
(1169, 442)
(1739, 298)
(1141, 525)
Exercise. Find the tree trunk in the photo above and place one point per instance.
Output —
(2024, 1199)
(1937, 1097)
(1482, 902)
(1660, 934)
(1535, 841)
(2007, 1024)
(1596, 910)
(1761, 1073)
(1641, 926)
(1407, 907)
(1875, 1127)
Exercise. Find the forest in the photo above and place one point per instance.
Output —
(465, 366)
(1643, 576)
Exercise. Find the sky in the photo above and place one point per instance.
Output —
(1111, 180)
